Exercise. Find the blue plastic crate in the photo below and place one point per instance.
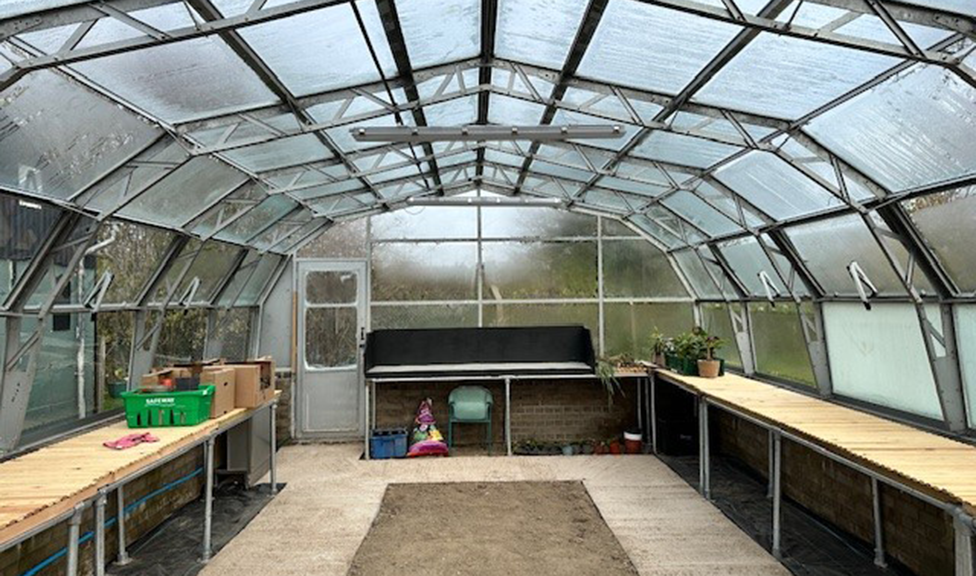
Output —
(388, 443)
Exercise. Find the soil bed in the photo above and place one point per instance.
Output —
(500, 528)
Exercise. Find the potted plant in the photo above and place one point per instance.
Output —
(709, 366)
(614, 447)
(688, 349)
(607, 373)
(660, 346)
(116, 388)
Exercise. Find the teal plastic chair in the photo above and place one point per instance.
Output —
(469, 405)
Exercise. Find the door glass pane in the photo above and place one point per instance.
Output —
(330, 337)
(330, 287)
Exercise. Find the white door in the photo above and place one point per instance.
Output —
(331, 321)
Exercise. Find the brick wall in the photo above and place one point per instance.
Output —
(139, 521)
(916, 534)
(557, 410)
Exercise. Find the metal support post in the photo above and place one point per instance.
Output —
(208, 449)
(653, 396)
(963, 545)
(879, 554)
(508, 415)
(366, 421)
(274, 448)
(770, 463)
(704, 459)
(640, 403)
(123, 556)
(100, 533)
(74, 531)
(777, 494)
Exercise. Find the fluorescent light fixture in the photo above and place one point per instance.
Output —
(480, 133)
(486, 201)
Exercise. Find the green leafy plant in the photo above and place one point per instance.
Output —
(711, 344)
(606, 371)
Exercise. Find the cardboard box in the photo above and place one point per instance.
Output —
(255, 382)
(196, 368)
(224, 381)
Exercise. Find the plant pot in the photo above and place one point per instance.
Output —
(660, 361)
(586, 449)
(600, 449)
(686, 366)
(671, 361)
(568, 450)
(709, 368)
(633, 442)
(115, 389)
(615, 448)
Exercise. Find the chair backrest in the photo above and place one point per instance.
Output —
(470, 402)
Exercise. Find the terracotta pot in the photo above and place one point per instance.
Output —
(632, 443)
(709, 368)
(599, 449)
(615, 448)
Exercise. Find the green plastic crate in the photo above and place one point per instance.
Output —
(163, 409)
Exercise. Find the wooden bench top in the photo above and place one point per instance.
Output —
(52, 480)
(932, 464)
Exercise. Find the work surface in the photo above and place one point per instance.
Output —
(937, 466)
(317, 523)
(52, 480)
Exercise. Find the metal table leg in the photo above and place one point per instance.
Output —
(208, 448)
(74, 531)
(366, 422)
(123, 556)
(653, 396)
(100, 533)
(963, 546)
(274, 448)
(640, 415)
(879, 554)
(777, 493)
(704, 460)
(770, 462)
(508, 415)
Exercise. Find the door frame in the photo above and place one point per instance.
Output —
(301, 267)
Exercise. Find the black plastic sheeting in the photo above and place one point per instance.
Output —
(174, 548)
(810, 546)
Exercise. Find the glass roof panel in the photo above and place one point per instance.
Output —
(264, 214)
(457, 112)
(439, 32)
(788, 77)
(684, 150)
(634, 45)
(322, 50)
(774, 186)
(56, 136)
(280, 153)
(696, 275)
(181, 81)
(946, 221)
(187, 190)
(641, 188)
(565, 117)
(747, 259)
(538, 31)
(699, 213)
(509, 111)
(960, 6)
(166, 17)
(914, 129)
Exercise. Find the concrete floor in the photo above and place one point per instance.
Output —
(316, 524)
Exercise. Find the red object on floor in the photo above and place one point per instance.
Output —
(130, 441)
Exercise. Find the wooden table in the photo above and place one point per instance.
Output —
(57, 482)
(933, 468)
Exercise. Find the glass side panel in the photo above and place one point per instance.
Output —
(781, 351)
(439, 32)
(634, 46)
(696, 274)
(946, 222)
(633, 268)
(829, 246)
(258, 218)
(279, 153)
(330, 337)
(256, 282)
(184, 192)
(426, 222)
(747, 259)
(424, 316)
(788, 77)
(331, 287)
(321, 50)
(702, 215)
(629, 325)
(58, 137)
(537, 31)
(535, 222)
(133, 255)
(231, 338)
(182, 337)
(684, 150)
(502, 314)
(876, 134)
(428, 271)
(211, 266)
(717, 321)
(24, 226)
(774, 186)
(613, 227)
(966, 343)
(181, 81)
(340, 240)
(527, 270)
(879, 356)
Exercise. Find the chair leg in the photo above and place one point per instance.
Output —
(450, 432)
(489, 430)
